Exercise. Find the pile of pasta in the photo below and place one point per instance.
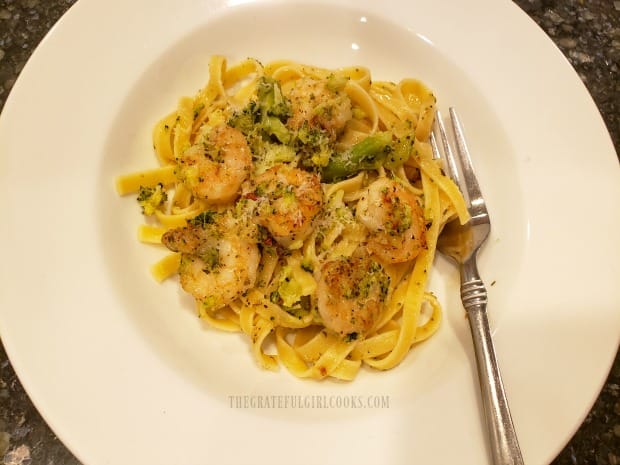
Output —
(297, 338)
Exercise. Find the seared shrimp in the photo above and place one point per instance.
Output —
(351, 294)
(394, 219)
(288, 201)
(216, 165)
(219, 259)
(320, 105)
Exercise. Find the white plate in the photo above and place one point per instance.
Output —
(125, 373)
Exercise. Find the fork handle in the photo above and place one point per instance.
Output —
(502, 435)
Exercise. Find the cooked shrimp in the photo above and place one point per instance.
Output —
(394, 219)
(351, 294)
(288, 201)
(219, 259)
(216, 165)
(319, 104)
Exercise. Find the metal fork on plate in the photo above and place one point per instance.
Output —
(461, 243)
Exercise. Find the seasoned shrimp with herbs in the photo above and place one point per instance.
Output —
(320, 104)
(351, 293)
(391, 213)
(216, 165)
(288, 200)
(219, 258)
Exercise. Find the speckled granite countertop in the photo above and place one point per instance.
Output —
(587, 32)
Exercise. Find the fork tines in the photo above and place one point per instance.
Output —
(457, 162)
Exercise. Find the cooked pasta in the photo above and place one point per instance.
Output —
(301, 206)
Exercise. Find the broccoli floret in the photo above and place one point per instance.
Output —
(203, 219)
(247, 119)
(368, 154)
(271, 100)
(336, 83)
(294, 283)
(270, 153)
(314, 147)
(152, 198)
(272, 126)
(266, 115)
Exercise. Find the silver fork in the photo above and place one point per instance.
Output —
(461, 243)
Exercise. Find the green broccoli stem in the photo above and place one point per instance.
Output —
(368, 154)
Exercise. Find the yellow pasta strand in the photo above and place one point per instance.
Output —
(166, 267)
(150, 234)
(430, 168)
(183, 126)
(131, 183)
(163, 137)
(261, 330)
(226, 319)
(215, 85)
(360, 98)
(331, 362)
(177, 220)
(432, 325)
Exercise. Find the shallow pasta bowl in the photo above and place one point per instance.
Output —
(110, 357)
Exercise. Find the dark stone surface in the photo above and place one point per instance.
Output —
(587, 32)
